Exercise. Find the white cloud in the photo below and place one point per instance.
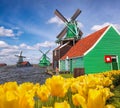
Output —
(25, 46)
(80, 25)
(37, 46)
(44, 44)
(97, 27)
(8, 51)
(6, 32)
(55, 20)
(3, 44)
(117, 27)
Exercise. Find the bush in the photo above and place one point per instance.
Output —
(116, 80)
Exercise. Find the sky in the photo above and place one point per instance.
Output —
(31, 25)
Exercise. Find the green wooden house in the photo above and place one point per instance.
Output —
(97, 52)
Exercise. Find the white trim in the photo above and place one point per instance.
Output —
(117, 62)
(75, 57)
(97, 41)
(59, 65)
(72, 57)
(64, 45)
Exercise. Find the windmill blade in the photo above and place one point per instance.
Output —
(41, 51)
(47, 51)
(48, 58)
(75, 15)
(80, 33)
(57, 13)
(62, 33)
(23, 57)
(17, 55)
(41, 58)
(21, 53)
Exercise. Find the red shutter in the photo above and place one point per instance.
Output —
(108, 58)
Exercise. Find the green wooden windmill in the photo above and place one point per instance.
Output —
(71, 30)
(44, 60)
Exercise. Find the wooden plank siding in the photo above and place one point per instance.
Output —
(72, 63)
(58, 53)
(62, 65)
(77, 63)
(108, 45)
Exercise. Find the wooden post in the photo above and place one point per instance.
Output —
(57, 71)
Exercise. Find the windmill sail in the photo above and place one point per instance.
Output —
(20, 57)
(75, 15)
(60, 16)
(71, 29)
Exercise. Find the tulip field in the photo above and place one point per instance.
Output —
(88, 91)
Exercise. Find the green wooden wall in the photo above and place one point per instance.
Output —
(62, 65)
(77, 63)
(108, 45)
(73, 63)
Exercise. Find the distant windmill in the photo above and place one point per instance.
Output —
(20, 62)
(20, 57)
(71, 28)
(44, 60)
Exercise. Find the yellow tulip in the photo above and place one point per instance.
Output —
(95, 99)
(74, 87)
(11, 99)
(109, 106)
(26, 86)
(27, 100)
(79, 100)
(62, 105)
(43, 93)
(56, 85)
(106, 93)
(107, 81)
(10, 86)
(2, 96)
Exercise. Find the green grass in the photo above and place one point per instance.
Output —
(67, 75)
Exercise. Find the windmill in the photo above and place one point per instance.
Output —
(67, 37)
(20, 62)
(20, 57)
(71, 28)
(44, 60)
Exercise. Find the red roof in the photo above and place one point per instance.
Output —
(24, 63)
(84, 44)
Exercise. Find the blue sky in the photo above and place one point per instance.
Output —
(30, 25)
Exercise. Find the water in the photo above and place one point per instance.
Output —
(33, 74)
